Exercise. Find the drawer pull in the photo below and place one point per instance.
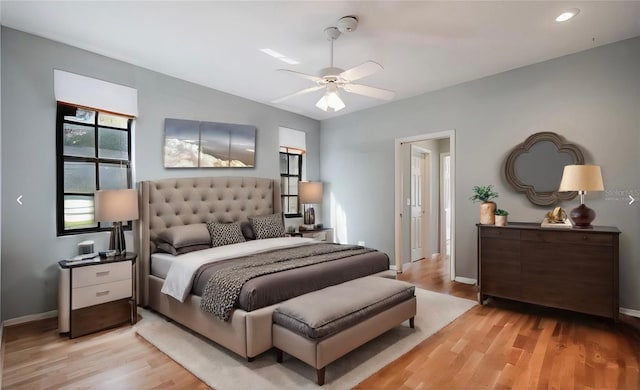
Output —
(102, 293)
(103, 273)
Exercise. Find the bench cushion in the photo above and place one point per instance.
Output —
(325, 312)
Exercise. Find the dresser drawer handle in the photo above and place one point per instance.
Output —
(102, 273)
(102, 293)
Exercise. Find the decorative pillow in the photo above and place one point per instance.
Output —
(268, 226)
(185, 235)
(168, 248)
(225, 233)
(247, 230)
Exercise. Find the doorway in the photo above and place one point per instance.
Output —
(428, 230)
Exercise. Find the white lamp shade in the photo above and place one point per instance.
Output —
(581, 178)
(330, 101)
(116, 205)
(310, 192)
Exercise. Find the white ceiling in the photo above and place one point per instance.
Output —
(423, 46)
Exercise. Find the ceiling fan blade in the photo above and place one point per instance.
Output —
(302, 92)
(378, 93)
(362, 70)
(303, 75)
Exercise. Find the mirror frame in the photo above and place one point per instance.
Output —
(537, 197)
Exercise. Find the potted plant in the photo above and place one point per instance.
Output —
(501, 217)
(485, 194)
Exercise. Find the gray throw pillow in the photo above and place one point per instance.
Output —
(268, 226)
(168, 248)
(225, 233)
(185, 235)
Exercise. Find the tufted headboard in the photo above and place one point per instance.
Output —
(174, 202)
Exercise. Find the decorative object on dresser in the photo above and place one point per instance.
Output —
(556, 218)
(535, 167)
(310, 193)
(117, 206)
(582, 178)
(485, 194)
(501, 217)
(96, 295)
(560, 268)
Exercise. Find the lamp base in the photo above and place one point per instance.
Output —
(116, 241)
(309, 216)
(582, 216)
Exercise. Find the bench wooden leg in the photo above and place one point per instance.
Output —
(279, 355)
(320, 373)
(412, 322)
(250, 359)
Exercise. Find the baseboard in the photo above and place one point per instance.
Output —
(630, 312)
(393, 267)
(462, 279)
(30, 317)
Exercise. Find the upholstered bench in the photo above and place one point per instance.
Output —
(321, 326)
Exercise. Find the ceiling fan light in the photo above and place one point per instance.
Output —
(330, 102)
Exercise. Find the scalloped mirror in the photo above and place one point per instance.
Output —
(535, 167)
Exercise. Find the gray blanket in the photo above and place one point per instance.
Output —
(223, 288)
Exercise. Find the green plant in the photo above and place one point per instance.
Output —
(502, 212)
(483, 193)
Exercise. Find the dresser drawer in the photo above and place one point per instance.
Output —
(100, 293)
(101, 273)
(508, 234)
(584, 238)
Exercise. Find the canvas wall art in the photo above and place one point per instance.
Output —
(196, 144)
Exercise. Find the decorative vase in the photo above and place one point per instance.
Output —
(487, 213)
(501, 220)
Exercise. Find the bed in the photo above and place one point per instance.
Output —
(170, 203)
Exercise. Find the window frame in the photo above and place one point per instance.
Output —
(300, 154)
(61, 158)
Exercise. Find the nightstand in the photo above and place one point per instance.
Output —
(94, 296)
(324, 234)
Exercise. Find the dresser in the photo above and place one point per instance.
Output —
(323, 234)
(572, 269)
(93, 296)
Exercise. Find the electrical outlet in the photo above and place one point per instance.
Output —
(361, 243)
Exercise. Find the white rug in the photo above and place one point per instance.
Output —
(224, 370)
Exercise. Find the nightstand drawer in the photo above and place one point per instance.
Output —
(101, 273)
(101, 293)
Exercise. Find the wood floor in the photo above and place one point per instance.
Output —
(502, 345)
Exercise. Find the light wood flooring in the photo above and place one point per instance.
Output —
(502, 345)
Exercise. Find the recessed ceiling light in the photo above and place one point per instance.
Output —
(563, 17)
(289, 61)
(279, 56)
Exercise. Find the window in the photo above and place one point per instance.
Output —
(290, 175)
(93, 153)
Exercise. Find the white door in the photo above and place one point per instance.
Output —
(419, 203)
(445, 187)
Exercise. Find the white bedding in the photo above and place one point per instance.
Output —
(161, 262)
(179, 278)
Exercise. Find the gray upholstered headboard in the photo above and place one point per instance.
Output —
(174, 202)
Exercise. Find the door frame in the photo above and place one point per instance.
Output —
(443, 223)
(398, 201)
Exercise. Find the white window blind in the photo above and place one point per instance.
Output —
(89, 92)
(294, 139)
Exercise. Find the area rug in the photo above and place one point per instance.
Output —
(224, 370)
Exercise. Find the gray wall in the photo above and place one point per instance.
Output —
(591, 98)
(30, 248)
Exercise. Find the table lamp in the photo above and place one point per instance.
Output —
(582, 178)
(310, 192)
(116, 206)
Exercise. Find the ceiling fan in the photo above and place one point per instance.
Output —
(332, 78)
